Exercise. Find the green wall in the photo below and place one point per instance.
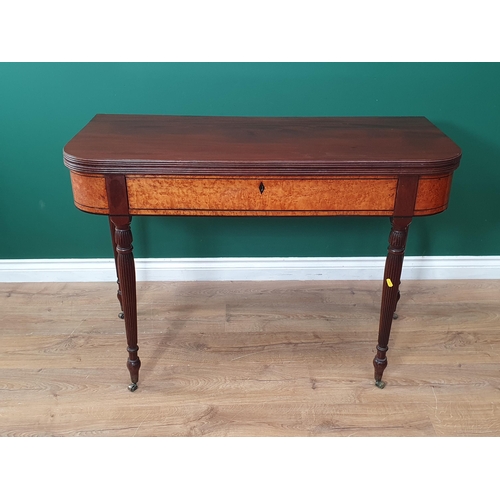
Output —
(42, 106)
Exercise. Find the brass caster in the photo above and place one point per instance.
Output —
(395, 316)
(121, 315)
(132, 387)
(380, 384)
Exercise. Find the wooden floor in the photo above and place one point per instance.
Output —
(250, 359)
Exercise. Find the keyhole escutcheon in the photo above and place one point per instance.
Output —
(261, 187)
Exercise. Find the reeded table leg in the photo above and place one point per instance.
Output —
(390, 292)
(126, 277)
(395, 314)
(119, 292)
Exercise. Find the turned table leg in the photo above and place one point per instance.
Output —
(126, 277)
(390, 291)
(119, 292)
(395, 314)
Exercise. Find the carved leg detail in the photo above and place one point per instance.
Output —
(126, 277)
(390, 292)
(380, 363)
(119, 292)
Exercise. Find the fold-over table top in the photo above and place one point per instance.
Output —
(240, 146)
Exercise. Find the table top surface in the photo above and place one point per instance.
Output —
(207, 145)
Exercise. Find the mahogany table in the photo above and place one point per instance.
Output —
(125, 165)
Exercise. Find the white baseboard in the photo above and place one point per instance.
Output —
(249, 269)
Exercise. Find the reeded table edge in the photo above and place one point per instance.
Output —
(288, 168)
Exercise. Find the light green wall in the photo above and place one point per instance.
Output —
(43, 105)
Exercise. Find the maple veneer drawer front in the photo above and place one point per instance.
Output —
(212, 196)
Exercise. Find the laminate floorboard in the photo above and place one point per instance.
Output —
(250, 359)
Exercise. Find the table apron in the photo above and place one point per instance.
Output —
(268, 195)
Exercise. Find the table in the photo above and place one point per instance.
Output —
(127, 165)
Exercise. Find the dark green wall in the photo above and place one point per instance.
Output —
(43, 105)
